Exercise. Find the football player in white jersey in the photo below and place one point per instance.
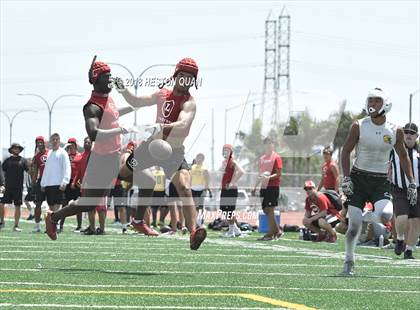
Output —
(373, 138)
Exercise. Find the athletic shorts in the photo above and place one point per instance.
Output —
(158, 200)
(331, 219)
(39, 195)
(173, 193)
(101, 208)
(12, 195)
(71, 193)
(228, 199)
(198, 198)
(119, 196)
(54, 195)
(141, 159)
(101, 171)
(269, 197)
(401, 204)
(368, 187)
(29, 196)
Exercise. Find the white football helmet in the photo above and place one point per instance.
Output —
(386, 101)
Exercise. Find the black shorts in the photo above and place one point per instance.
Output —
(141, 159)
(158, 200)
(228, 199)
(173, 193)
(198, 198)
(29, 196)
(401, 204)
(269, 197)
(101, 171)
(54, 195)
(120, 196)
(39, 195)
(12, 195)
(71, 193)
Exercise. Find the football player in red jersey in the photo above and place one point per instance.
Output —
(71, 193)
(270, 165)
(330, 174)
(101, 121)
(232, 172)
(175, 113)
(80, 163)
(37, 170)
(320, 213)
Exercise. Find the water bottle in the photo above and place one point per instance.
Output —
(301, 234)
(381, 241)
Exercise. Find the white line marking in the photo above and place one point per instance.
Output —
(122, 307)
(201, 263)
(152, 272)
(211, 286)
(135, 286)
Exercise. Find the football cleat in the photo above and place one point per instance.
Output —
(348, 269)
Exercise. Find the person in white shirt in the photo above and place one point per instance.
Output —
(56, 174)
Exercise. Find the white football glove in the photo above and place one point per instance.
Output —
(347, 186)
(118, 84)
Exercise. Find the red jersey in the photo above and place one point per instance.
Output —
(109, 120)
(271, 163)
(168, 108)
(80, 162)
(328, 178)
(72, 157)
(39, 159)
(319, 204)
(229, 170)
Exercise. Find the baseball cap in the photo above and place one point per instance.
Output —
(411, 127)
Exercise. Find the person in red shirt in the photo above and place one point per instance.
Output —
(101, 121)
(232, 172)
(71, 193)
(80, 163)
(330, 174)
(320, 214)
(38, 169)
(270, 165)
(176, 111)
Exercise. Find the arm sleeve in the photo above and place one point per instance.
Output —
(66, 168)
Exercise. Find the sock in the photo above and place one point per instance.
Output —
(37, 226)
(352, 235)
(138, 221)
(409, 248)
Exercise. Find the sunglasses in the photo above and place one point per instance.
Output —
(308, 188)
(409, 132)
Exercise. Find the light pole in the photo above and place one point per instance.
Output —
(235, 107)
(136, 81)
(50, 107)
(411, 103)
(12, 119)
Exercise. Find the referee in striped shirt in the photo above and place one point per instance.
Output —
(407, 216)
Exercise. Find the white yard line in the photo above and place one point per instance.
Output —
(134, 286)
(212, 273)
(200, 263)
(211, 286)
(123, 307)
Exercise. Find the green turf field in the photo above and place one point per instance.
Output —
(136, 272)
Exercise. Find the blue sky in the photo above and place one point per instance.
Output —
(339, 50)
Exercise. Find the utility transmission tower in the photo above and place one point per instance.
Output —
(277, 64)
(270, 62)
